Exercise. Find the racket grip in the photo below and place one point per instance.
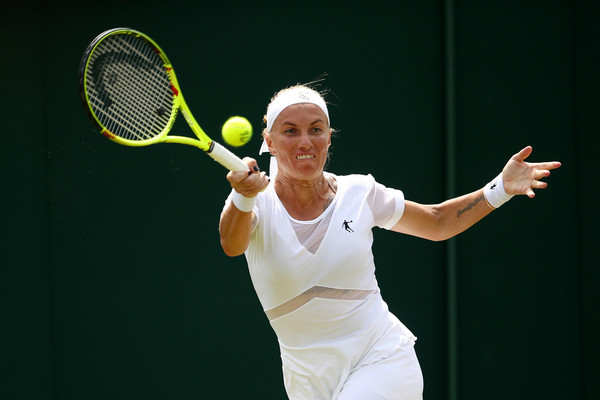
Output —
(226, 158)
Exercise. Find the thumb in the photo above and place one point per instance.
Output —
(523, 154)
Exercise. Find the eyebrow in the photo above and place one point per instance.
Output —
(318, 120)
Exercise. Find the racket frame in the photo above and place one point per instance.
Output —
(214, 149)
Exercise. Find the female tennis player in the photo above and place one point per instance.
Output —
(307, 235)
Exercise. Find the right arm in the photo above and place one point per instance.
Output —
(235, 226)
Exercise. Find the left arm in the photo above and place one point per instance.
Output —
(443, 221)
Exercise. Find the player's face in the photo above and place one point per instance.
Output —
(300, 139)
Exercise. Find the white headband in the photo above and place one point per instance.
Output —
(287, 98)
(293, 96)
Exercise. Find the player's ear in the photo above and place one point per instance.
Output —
(268, 140)
(270, 144)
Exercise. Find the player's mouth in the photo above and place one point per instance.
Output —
(305, 156)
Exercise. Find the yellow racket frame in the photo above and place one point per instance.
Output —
(203, 141)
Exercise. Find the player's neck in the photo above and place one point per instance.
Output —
(305, 199)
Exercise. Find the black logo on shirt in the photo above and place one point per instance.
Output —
(346, 226)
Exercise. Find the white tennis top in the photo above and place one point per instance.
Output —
(281, 263)
(316, 281)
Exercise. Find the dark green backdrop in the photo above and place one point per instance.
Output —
(113, 284)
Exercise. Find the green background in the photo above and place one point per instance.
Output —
(112, 281)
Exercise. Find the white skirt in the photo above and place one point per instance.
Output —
(377, 363)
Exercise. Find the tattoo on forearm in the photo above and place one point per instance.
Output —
(469, 206)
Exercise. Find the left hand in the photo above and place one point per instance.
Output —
(521, 177)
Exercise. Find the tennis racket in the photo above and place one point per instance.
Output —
(130, 92)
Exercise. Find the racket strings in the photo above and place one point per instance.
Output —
(135, 94)
(128, 88)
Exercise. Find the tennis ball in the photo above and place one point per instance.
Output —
(236, 131)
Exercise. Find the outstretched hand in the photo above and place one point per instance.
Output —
(521, 177)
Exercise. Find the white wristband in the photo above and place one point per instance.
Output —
(242, 203)
(494, 192)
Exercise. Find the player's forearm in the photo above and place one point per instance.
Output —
(442, 221)
(235, 228)
(460, 213)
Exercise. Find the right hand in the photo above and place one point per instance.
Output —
(248, 183)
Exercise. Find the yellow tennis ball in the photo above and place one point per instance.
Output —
(236, 131)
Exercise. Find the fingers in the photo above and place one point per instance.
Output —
(235, 178)
(548, 165)
(530, 193)
(252, 164)
(248, 183)
(540, 173)
(521, 177)
(523, 154)
(536, 183)
(542, 170)
(526, 152)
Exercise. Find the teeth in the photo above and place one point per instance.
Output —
(305, 156)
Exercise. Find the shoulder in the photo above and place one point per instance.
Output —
(355, 180)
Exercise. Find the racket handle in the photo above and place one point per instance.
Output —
(226, 158)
